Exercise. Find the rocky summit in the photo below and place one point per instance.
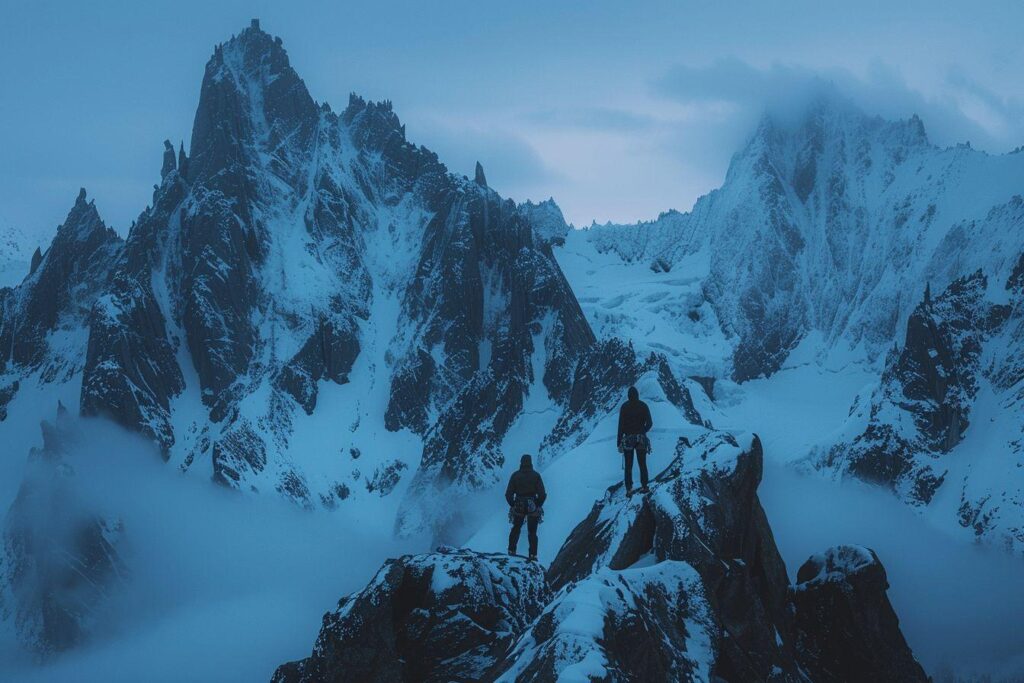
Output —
(680, 584)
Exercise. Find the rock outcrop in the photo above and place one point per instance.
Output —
(56, 297)
(681, 584)
(702, 510)
(444, 616)
(641, 624)
(846, 627)
(959, 371)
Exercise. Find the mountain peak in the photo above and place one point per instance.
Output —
(481, 179)
(251, 96)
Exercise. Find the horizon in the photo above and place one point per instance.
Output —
(626, 161)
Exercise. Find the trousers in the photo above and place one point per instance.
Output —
(517, 528)
(641, 461)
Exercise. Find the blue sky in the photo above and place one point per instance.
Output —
(619, 110)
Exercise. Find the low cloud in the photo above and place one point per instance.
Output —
(220, 585)
(964, 110)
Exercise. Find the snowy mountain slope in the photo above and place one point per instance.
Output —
(315, 307)
(831, 222)
(824, 238)
(42, 319)
(943, 427)
(297, 252)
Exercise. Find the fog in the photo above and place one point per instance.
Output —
(226, 586)
(222, 586)
(959, 604)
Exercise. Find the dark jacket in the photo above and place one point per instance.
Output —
(524, 482)
(634, 417)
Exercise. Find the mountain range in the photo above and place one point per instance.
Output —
(315, 308)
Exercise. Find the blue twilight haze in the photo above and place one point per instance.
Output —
(618, 110)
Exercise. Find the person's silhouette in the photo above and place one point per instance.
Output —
(634, 423)
(525, 495)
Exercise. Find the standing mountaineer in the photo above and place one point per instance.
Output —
(525, 495)
(634, 423)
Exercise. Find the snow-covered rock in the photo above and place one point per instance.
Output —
(444, 616)
(547, 220)
(298, 253)
(684, 584)
(42, 319)
(832, 223)
(846, 627)
(943, 426)
(645, 624)
(702, 510)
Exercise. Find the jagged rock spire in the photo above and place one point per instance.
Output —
(169, 162)
(37, 258)
(481, 179)
(182, 160)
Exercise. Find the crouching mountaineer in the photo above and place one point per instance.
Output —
(525, 495)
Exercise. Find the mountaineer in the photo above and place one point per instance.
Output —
(634, 423)
(525, 495)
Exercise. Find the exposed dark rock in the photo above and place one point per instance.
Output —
(933, 380)
(386, 477)
(59, 291)
(327, 354)
(37, 258)
(131, 370)
(706, 383)
(7, 393)
(480, 178)
(846, 627)
(444, 616)
(661, 265)
(703, 510)
(170, 164)
(478, 245)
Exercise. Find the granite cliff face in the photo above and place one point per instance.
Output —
(42, 319)
(295, 248)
